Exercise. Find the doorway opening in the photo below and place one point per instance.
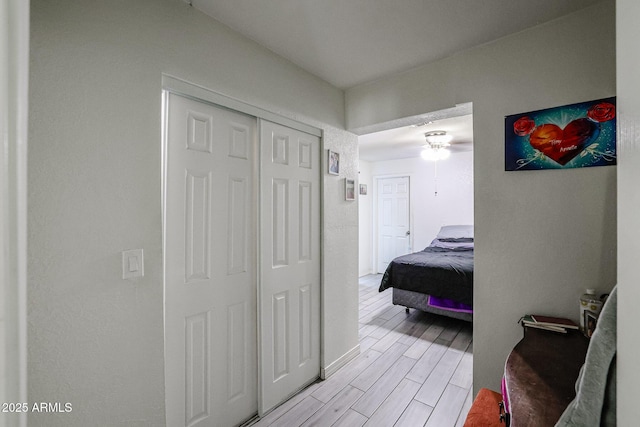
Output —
(440, 191)
(410, 188)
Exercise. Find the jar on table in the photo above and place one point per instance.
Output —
(590, 307)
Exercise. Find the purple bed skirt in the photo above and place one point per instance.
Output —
(447, 304)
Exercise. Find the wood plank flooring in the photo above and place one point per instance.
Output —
(413, 370)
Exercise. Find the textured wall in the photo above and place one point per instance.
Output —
(542, 237)
(365, 220)
(340, 249)
(95, 184)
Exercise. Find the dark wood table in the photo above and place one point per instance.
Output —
(541, 373)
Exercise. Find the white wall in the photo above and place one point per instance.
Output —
(628, 64)
(95, 340)
(428, 212)
(542, 237)
(340, 252)
(365, 220)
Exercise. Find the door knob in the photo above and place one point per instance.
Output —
(408, 232)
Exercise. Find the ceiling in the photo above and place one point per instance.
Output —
(407, 141)
(351, 42)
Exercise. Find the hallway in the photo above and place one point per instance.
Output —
(413, 370)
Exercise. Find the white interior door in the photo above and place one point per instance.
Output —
(210, 265)
(393, 220)
(289, 262)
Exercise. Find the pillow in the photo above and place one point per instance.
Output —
(452, 233)
(454, 244)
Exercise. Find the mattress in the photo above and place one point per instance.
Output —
(443, 272)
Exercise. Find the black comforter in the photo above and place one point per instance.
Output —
(435, 271)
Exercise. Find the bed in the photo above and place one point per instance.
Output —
(438, 279)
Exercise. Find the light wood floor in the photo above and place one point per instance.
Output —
(414, 370)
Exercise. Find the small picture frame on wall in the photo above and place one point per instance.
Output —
(349, 189)
(334, 163)
(363, 189)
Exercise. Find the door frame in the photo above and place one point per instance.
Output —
(14, 110)
(172, 84)
(375, 219)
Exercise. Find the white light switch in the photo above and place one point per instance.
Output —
(132, 264)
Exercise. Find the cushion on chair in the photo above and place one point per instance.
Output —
(485, 410)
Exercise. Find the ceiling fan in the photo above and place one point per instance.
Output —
(437, 145)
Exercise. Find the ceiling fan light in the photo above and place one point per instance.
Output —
(435, 154)
(429, 154)
(438, 137)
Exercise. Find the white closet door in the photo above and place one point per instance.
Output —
(210, 265)
(289, 262)
(393, 220)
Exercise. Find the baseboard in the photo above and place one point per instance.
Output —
(339, 363)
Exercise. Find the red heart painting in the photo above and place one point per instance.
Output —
(562, 145)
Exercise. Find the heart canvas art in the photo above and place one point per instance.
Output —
(572, 136)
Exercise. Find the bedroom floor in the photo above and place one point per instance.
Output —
(413, 370)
